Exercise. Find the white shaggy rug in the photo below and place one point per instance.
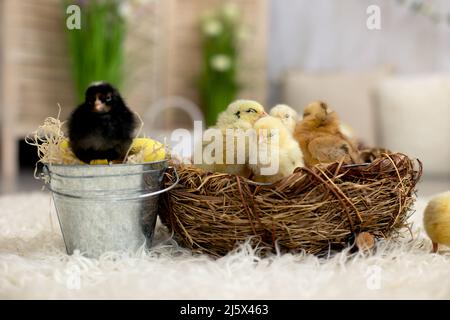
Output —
(34, 265)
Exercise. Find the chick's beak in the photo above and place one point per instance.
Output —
(99, 106)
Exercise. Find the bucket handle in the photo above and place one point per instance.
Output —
(141, 196)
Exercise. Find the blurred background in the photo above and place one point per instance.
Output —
(383, 65)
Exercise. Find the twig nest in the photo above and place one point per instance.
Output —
(313, 210)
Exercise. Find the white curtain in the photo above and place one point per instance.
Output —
(331, 35)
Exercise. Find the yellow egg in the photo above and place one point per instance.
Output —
(66, 153)
(153, 150)
(100, 161)
(64, 144)
(64, 147)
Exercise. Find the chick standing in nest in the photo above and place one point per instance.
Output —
(241, 114)
(320, 137)
(102, 127)
(274, 138)
(436, 220)
(286, 114)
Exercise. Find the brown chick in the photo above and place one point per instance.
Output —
(320, 138)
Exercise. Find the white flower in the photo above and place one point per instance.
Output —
(231, 11)
(220, 62)
(125, 9)
(212, 27)
(129, 8)
(243, 34)
(142, 2)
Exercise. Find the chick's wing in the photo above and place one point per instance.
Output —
(329, 149)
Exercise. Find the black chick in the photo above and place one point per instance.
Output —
(102, 127)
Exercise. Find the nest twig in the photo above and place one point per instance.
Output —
(312, 210)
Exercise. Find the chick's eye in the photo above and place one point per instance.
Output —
(306, 114)
(251, 110)
(286, 116)
(108, 98)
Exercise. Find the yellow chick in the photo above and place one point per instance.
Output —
(286, 114)
(282, 157)
(233, 166)
(241, 114)
(436, 220)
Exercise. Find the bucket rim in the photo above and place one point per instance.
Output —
(104, 165)
(103, 198)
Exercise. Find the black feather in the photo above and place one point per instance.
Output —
(101, 135)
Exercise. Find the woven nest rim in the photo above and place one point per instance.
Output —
(311, 210)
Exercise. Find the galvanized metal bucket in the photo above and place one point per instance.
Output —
(105, 208)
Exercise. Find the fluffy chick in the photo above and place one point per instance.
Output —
(346, 130)
(320, 137)
(436, 219)
(286, 114)
(102, 126)
(241, 114)
(287, 152)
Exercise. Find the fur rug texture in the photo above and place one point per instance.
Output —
(34, 265)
